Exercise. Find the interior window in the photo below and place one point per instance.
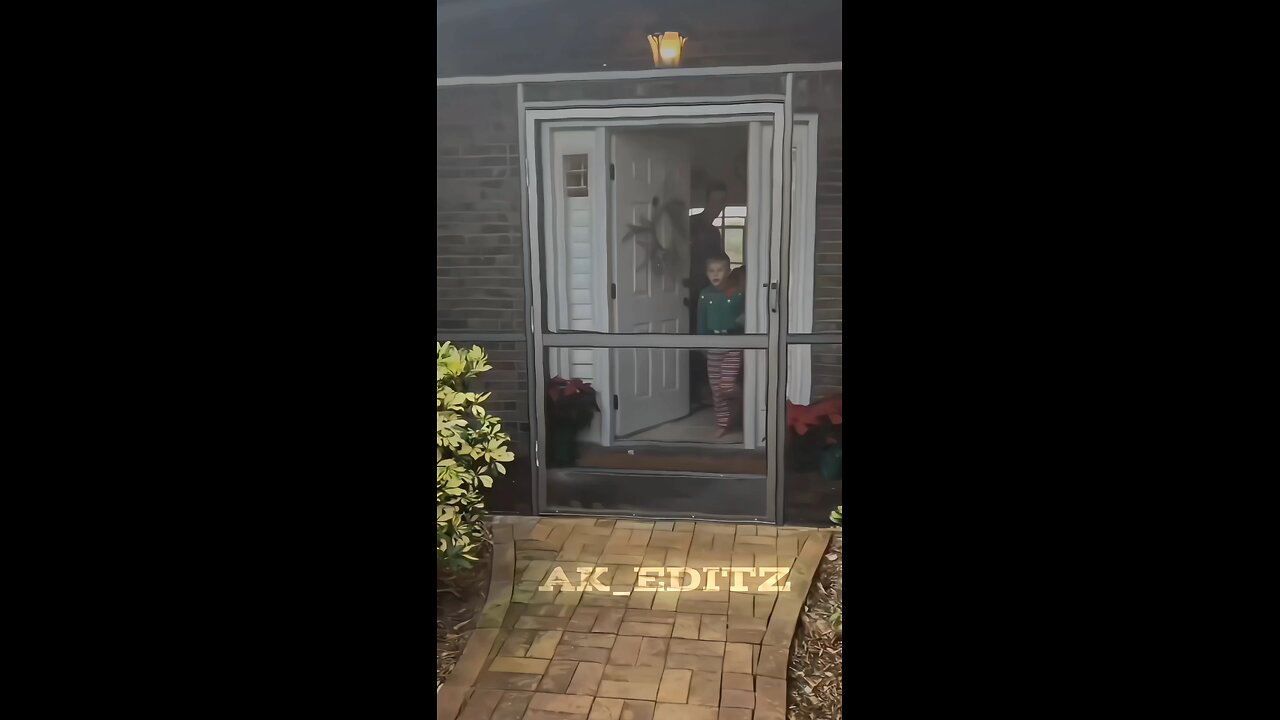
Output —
(734, 222)
(575, 175)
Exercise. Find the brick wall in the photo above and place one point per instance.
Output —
(828, 378)
(479, 245)
(821, 93)
(479, 258)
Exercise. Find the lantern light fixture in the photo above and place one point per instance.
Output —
(668, 48)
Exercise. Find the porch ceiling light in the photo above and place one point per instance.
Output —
(668, 48)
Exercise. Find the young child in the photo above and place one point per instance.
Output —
(721, 312)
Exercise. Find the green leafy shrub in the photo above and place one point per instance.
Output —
(837, 516)
(470, 445)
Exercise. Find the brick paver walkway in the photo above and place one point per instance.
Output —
(573, 630)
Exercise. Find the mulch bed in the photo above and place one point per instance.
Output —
(459, 600)
(815, 687)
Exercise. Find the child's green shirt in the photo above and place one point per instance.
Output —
(718, 314)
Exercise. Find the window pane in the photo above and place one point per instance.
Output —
(658, 431)
(575, 167)
(733, 245)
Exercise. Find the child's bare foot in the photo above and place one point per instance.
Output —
(722, 432)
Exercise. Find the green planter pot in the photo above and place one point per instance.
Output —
(831, 464)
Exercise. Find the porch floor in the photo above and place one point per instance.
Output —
(697, 644)
(698, 426)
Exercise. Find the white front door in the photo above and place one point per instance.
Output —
(650, 172)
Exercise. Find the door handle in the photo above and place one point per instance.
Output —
(773, 297)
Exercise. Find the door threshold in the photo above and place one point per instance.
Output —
(689, 444)
(658, 516)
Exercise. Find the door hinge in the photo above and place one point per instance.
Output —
(615, 402)
(613, 291)
(610, 171)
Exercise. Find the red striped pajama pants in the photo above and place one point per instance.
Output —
(724, 371)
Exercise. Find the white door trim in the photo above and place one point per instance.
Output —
(804, 245)
(772, 109)
(623, 102)
(802, 283)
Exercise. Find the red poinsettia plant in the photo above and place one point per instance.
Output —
(825, 419)
(571, 403)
